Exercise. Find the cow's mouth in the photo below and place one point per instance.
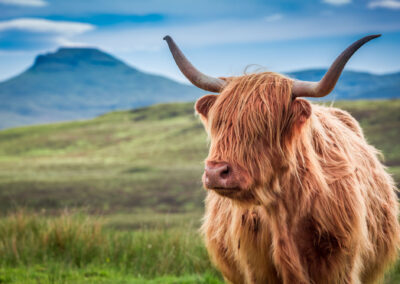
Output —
(225, 188)
(226, 191)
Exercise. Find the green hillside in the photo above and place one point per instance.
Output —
(146, 159)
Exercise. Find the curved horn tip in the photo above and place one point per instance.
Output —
(370, 37)
(376, 35)
(328, 82)
(366, 39)
(167, 38)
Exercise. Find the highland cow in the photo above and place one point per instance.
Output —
(295, 194)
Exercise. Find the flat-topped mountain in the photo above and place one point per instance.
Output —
(77, 83)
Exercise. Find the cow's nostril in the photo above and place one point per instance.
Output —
(225, 173)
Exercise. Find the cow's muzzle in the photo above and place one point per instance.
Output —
(221, 177)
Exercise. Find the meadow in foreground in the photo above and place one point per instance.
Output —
(76, 248)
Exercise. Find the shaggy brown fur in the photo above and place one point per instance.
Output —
(317, 205)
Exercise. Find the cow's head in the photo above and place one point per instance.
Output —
(253, 121)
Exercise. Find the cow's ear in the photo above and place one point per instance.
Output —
(204, 104)
(301, 112)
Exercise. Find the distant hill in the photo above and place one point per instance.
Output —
(78, 83)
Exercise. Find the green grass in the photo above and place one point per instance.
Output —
(58, 274)
(77, 248)
(72, 247)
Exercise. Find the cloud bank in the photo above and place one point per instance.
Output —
(34, 34)
(31, 3)
(337, 2)
(388, 4)
(45, 26)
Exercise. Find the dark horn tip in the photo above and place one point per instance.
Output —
(375, 36)
(167, 38)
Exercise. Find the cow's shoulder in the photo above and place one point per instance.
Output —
(338, 115)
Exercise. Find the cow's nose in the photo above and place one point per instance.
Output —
(218, 175)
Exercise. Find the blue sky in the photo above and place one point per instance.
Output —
(221, 37)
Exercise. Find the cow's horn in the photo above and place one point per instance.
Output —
(328, 82)
(197, 78)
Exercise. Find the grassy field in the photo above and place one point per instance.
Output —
(140, 170)
(144, 160)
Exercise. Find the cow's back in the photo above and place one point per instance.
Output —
(375, 184)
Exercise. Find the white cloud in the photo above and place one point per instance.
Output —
(273, 17)
(388, 4)
(45, 26)
(32, 3)
(37, 34)
(337, 2)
